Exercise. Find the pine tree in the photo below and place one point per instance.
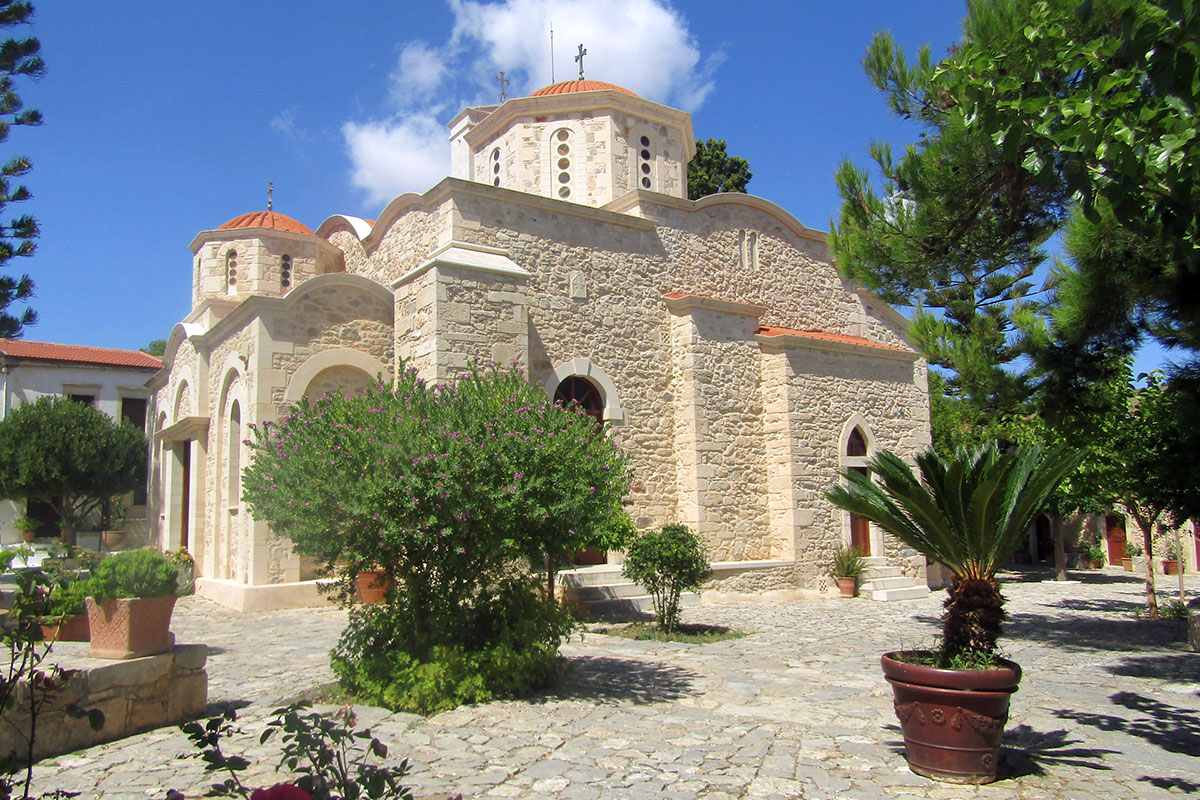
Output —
(18, 57)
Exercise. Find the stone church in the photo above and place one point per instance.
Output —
(714, 338)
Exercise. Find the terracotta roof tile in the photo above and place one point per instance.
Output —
(266, 219)
(79, 354)
(774, 330)
(569, 87)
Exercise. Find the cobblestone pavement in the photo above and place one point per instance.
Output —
(1109, 707)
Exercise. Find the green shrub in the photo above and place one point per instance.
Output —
(136, 573)
(1094, 553)
(26, 523)
(668, 563)
(504, 647)
(66, 600)
(848, 562)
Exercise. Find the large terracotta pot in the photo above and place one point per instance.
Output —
(372, 586)
(1170, 566)
(848, 586)
(130, 628)
(1127, 564)
(952, 720)
(68, 629)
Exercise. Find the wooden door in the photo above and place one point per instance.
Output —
(860, 527)
(1115, 533)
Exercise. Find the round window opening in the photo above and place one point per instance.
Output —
(564, 191)
(563, 134)
(563, 149)
(496, 182)
(646, 182)
(564, 177)
(495, 155)
(645, 169)
(646, 155)
(563, 163)
(645, 141)
(496, 168)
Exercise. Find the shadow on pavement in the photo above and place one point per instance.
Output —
(1173, 667)
(1077, 632)
(1026, 751)
(1182, 784)
(1176, 730)
(604, 679)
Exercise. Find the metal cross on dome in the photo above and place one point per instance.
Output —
(579, 58)
(270, 192)
(503, 81)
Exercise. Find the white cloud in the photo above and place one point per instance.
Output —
(420, 72)
(398, 155)
(643, 45)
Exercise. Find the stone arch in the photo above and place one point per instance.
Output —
(584, 368)
(183, 400)
(328, 359)
(858, 421)
(233, 415)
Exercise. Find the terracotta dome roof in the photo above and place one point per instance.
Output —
(266, 219)
(568, 87)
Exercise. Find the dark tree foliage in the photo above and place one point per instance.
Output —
(70, 456)
(956, 234)
(713, 170)
(18, 57)
(156, 347)
(1101, 96)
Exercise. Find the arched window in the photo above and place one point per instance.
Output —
(582, 391)
(235, 454)
(856, 445)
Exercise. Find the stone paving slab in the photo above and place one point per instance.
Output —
(1109, 707)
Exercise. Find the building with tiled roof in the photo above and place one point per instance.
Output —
(714, 339)
(112, 380)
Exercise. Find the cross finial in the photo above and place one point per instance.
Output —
(579, 58)
(503, 81)
(270, 191)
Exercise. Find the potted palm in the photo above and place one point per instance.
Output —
(130, 599)
(847, 566)
(967, 512)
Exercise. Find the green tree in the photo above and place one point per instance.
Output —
(70, 456)
(156, 347)
(955, 233)
(713, 170)
(668, 563)
(18, 57)
(1102, 98)
(968, 512)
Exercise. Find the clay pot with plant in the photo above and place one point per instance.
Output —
(28, 527)
(130, 599)
(1132, 550)
(1093, 553)
(968, 512)
(847, 567)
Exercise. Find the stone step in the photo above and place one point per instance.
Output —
(904, 593)
(625, 606)
(612, 591)
(871, 573)
(875, 561)
(892, 582)
(598, 575)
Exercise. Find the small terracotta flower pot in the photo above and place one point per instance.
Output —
(372, 586)
(69, 629)
(848, 586)
(1170, 566)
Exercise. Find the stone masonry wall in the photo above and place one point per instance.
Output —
(135, 695)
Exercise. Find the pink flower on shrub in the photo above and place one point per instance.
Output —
(281, 791)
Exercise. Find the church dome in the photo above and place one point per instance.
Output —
(570, 87)
(267, 219)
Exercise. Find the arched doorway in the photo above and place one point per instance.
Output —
(860, 527)
(584, 393)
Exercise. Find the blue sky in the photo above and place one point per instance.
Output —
(166, 119)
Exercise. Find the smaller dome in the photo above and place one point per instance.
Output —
(569, 87)
(266, 219)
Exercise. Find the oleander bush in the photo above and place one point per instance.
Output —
(468, 497)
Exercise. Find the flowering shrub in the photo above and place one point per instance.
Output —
(456, 493)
